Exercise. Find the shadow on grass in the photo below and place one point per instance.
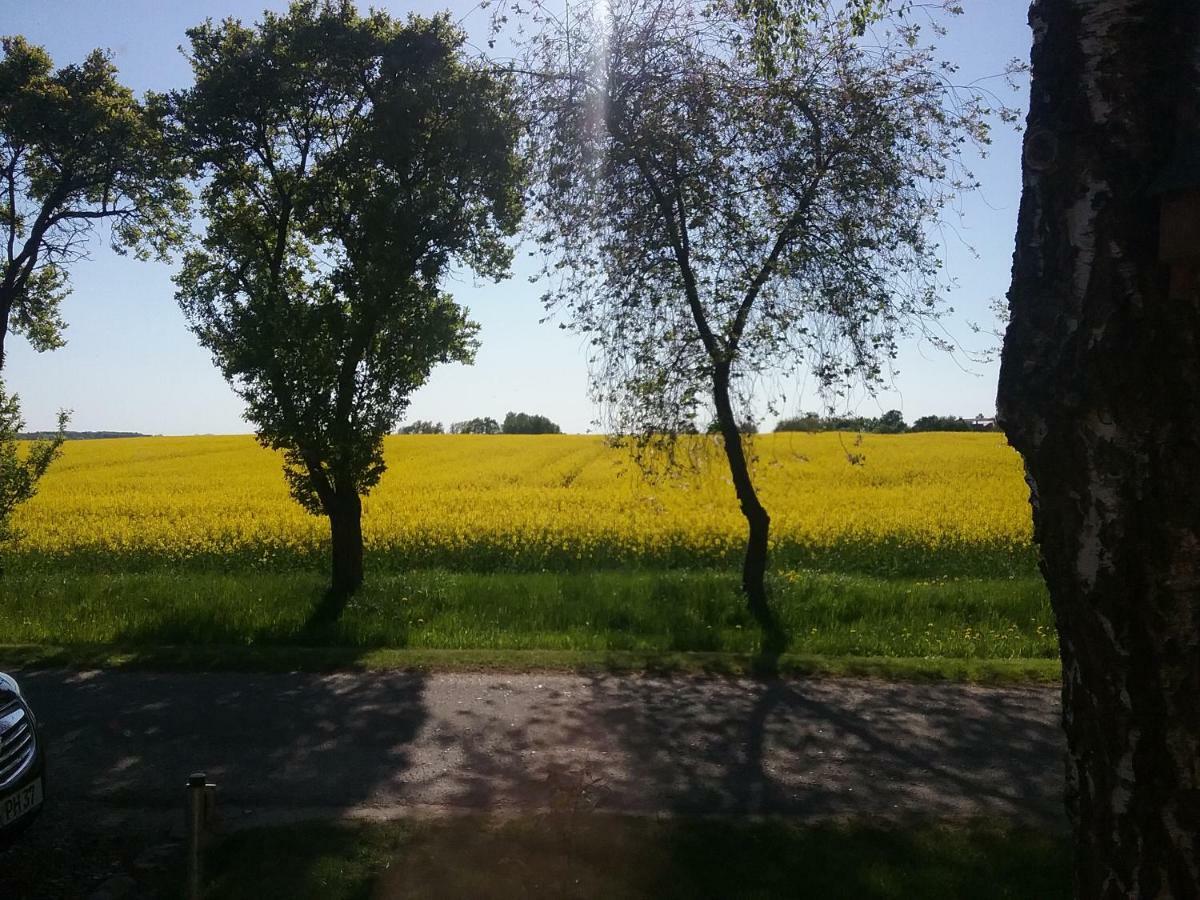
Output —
(321, 626)
(766, 662)
(212, 632)
(775, 639)
(602, 856)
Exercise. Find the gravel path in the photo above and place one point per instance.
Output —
(286, 745)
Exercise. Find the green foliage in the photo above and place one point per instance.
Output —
(350, 161)
(76, 149)
(809, 421)
(704, 224)
(21, 468)
(485, 425)
(780, 27)
(79, 435)
(524, 423)
(421, 426)
(891, 422)
(942, 423)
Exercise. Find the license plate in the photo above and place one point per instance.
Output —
(24, 801)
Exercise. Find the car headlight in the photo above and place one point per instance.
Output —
(10, 683)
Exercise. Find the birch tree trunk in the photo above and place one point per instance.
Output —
(1100, 392)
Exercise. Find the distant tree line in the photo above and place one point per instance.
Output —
(891, 422)
(514, 423)
(421, 426)
(952, 423)
(76, 435)
(485, 425)
(524, 423)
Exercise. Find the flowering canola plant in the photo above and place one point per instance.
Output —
(917, 505)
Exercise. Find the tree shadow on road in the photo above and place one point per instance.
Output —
(890, 758)
(816, 749)
(121, 744)
(557, 748)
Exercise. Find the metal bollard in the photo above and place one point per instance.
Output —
(201, 801)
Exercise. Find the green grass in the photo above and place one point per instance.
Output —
(216, 657)
(573, 855)
(658, 612)
(672, 621)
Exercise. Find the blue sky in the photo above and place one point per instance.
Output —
(131, 364)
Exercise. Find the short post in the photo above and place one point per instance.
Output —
(199, 808)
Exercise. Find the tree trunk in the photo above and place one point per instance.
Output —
(754, 566)
(345, 527)
(6, 302)
(1100, 392)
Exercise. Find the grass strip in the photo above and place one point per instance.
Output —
(328, 659)
(575, 854)
(652, 612)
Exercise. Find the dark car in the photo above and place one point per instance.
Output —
(22, 761)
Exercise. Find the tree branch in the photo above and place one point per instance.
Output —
(111, 212)
(711, 343)
(785, 234)
(10, 176)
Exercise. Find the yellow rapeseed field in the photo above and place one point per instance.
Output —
(920, 504)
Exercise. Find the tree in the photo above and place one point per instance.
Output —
(808, 421)
(891, 422)
(76, 150)
(21, 469)
(779, 25)
(1100, 393)
(486, 425)
(708, 226)
(350, 161)
(421, 426)
(941, 423)
(524, 423)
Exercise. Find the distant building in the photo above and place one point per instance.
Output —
(982, 423)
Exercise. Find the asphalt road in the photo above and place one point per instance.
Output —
(279, 746)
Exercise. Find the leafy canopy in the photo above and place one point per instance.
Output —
(780, 26)
(421, 426)
(526, 423)
(76, 149)
(706, 222)
(483, 425)
(350, 162)
(21, 467)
